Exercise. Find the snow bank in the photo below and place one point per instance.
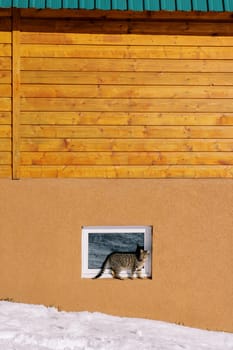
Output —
(32, 327)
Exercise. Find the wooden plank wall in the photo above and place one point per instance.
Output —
(125, 98)
(5, 93)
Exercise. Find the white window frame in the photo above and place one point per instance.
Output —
(90, 273)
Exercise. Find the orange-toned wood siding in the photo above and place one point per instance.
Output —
(122, 98)
(5, 94)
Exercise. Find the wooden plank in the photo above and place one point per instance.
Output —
(5, 171)
(125, 78)
(121, 26)
(123, 118)
(127, 145)
(122, 65)
(5, 77)
(105, 51)
(149, 172)
(5, 158)
(123, 39)
(126, 105)
(5, 24)
(5, 90)
(5, 37)
(183, 27)
(5, 50)
(5, 117)
(5, 104)
(5, 12)
(122, 91)
(74, 26)
(5, 145)
(115, 14)
(125, 158)
(5, 131)
(5, 63)
(126, 131)
(16, 94)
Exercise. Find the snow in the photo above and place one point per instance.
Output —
(36, 327)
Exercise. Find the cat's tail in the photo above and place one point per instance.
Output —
(102, 270)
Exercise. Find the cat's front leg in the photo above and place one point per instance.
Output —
(140, 275)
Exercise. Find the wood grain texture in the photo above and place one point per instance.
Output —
(132, 15)
(5, 118)
(5, 131)
(5, 77)
(5, 12)
(116, 96)
(5, 158)
(5, 104)
(146, 132)
(5, 24)
(123, 39)
(126, 78)
(126, 145)
(5, 63)
(5, 37)
(125, 65)
(127, 105)
(125, 118)
(5, 171)
(16, 94)
(122, 91)
(126, 158)
(5, 90)
(5, 144)
(127, 51)
(121, 26)
(5, 93)
(123, 172)
(5, 49)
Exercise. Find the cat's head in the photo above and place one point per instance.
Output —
(143, 254)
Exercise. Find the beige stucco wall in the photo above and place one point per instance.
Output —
(192, 282)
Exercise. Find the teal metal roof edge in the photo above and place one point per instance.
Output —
(124, 5)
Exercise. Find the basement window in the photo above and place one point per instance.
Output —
(98, 242)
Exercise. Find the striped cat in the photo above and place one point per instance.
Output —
(130, 262)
